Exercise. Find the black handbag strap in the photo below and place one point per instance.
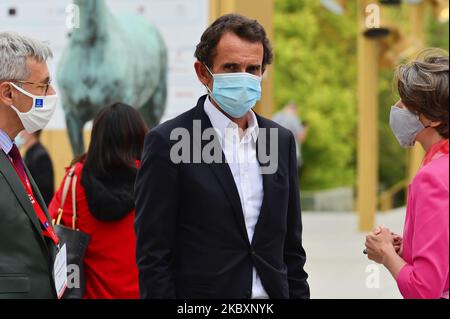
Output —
(71, 180)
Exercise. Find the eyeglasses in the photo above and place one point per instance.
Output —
(43, 86)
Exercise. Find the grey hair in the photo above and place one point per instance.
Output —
(14, 51)
(423, 86)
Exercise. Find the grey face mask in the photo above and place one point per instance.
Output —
(405, 125)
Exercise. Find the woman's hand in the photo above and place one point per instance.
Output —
(380, 244)
(398, 244)
(385, 247)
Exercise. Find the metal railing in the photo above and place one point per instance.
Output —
(386, 198)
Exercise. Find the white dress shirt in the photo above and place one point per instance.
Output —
(240, 151)
(5, 142)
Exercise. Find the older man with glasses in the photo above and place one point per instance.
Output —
(29, 247)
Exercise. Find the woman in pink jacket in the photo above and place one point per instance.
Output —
(420, 263)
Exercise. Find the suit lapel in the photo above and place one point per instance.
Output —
(19, 191)
(225, 178)
(222, 172)
(41, 202)
(268, 179)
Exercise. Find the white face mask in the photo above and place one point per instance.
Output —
(40, 113)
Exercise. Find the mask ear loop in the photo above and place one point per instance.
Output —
(212, 75)
(425, 126)
(21, 90)
(208, 70)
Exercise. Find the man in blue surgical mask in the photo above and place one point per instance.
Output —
(212, 227)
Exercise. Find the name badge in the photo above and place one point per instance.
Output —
(60, 272)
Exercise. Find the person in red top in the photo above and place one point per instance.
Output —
(105, 202)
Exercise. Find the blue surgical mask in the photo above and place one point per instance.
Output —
(406, 125)
(236, 93)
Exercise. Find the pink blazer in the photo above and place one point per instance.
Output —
(426, 234)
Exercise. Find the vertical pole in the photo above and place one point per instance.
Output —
(263, 11)
(416, 20)
(214, 10)
(218, 8)
(367, 180)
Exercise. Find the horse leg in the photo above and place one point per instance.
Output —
(75, 131)
(154, 108)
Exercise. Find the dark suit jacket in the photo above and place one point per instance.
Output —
(191, 236)
(40, 166)
(26, 256)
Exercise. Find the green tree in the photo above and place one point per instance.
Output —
(316, 66)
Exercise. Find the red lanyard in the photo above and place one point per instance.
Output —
(47, 228)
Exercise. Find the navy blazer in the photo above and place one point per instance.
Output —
(192, 241)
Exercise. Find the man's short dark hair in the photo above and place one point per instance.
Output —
(243, 27)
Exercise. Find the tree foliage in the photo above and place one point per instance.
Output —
(316, 66)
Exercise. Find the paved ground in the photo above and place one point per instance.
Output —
(335, 262)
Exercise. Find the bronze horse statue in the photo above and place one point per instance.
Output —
(111, 59)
